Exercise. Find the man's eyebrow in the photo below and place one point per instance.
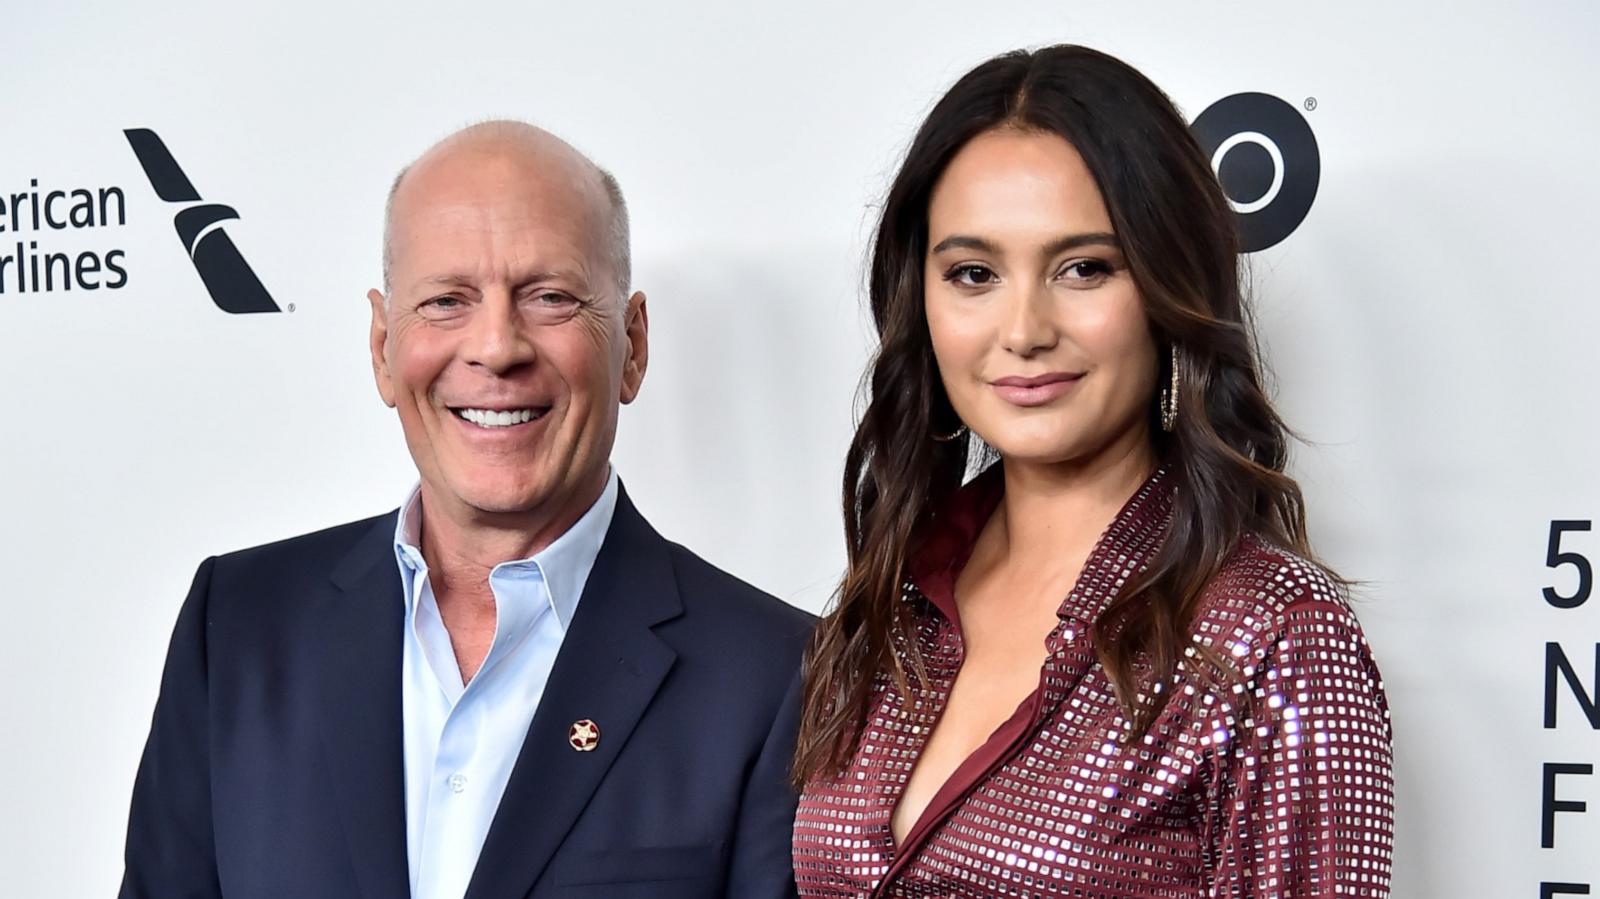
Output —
(1059, 245)
(541, 277)
(452, 280)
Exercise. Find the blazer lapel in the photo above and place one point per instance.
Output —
(608, 670)
(361, 628)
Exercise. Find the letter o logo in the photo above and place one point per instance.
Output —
(1265, 156)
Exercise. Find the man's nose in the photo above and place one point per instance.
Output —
(499, 339)
(1029, 324)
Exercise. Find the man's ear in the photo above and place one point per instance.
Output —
(636, 331)
(377, 339)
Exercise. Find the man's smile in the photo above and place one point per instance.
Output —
(499, 418)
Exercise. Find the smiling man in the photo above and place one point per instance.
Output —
(511, 686)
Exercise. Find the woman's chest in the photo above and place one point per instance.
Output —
(994, 684)
(1066, 806)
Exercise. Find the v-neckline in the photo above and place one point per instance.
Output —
(994, 748)
(1001, 743)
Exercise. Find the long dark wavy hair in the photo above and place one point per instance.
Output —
(1225, 458)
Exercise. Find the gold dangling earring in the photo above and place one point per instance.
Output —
(946, 438)
(1169, 397)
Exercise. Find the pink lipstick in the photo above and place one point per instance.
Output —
(1037, 390)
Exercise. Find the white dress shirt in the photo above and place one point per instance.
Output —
(462, 742)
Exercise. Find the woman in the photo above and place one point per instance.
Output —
(1108, 666)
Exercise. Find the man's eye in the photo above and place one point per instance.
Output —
(445, 303)
(971, 275)
(552, 306)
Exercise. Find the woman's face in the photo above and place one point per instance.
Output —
(1038, 329)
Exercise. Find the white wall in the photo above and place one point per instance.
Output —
(1431, 326)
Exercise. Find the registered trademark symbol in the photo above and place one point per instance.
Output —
(291, 307)
(1311, 103)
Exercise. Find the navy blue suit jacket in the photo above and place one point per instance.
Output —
(274, 766)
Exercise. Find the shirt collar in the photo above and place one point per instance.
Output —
(951, 537)
(1135, 534)
(565, 564)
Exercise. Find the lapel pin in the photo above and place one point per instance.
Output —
(584, 735)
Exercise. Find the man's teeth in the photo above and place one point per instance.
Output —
(489, 418)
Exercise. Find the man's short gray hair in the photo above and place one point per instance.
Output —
(619, 237)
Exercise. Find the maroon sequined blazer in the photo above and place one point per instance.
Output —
(1287, 795)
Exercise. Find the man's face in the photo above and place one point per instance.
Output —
(505, 343)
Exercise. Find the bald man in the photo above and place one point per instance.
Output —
(511, 686)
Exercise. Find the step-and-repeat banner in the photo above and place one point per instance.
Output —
(190, 208)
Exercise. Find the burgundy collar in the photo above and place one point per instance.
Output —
(945, 551)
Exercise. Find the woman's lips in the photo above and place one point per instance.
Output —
(1035, 391)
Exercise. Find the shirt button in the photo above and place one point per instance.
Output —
(458, 782)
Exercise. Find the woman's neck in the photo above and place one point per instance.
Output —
(1052, 514)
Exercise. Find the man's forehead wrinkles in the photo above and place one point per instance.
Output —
(557, 216)
(510, 258)
(574, 275)
(475, 231)
(478, 213)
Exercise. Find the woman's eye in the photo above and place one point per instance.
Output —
(971, 276)
(1085, 270)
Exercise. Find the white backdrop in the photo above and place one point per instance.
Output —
(1431, 326)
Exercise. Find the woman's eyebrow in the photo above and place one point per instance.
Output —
(1075, 241)
(964, 242)
(1059, 245)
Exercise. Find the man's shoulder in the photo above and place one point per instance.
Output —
(733, 639)
(709, 593)
(260, 602)
(315, 552)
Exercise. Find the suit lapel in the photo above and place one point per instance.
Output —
(608, 670)
(360, 629)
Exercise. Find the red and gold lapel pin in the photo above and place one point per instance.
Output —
(584, 735)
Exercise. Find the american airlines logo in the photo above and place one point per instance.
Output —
(233, 285)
